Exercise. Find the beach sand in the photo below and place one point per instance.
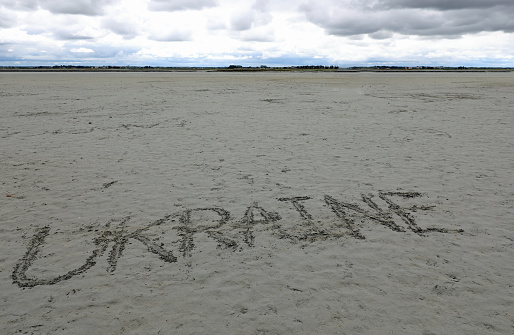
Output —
(257, 203)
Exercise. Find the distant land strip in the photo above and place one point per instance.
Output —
(239, 68)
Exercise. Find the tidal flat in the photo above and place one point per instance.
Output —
(256, 203)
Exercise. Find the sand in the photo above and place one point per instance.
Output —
(257, 203)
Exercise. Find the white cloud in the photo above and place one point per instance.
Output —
(256, 31)
(62, 27)
(82, 50)
(216, 24)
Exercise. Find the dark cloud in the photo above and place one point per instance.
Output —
(176, 5)
(422, 18)
(443, 4)
(381, 35)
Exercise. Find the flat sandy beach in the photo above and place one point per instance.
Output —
(257, 203)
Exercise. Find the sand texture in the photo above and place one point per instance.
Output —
(259, 203)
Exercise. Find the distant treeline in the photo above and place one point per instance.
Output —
(378, 68)
(317, 67)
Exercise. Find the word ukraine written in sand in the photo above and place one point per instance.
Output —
(234, 235)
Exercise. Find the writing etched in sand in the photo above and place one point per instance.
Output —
(236, 234)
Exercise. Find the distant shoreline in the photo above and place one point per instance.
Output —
(249, 69)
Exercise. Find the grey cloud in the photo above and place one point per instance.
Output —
(377, 23)
(381, 35)
(173, 36)
(6, 19)
(122, 26)
(242, 21)
(261, 5)
(257, 38)
(25, 5)
(443, 4)
(176, 5)
(65, 35)
(257, 15)
(78, 7)
(266, 35)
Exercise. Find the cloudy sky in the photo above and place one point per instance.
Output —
(255, 32)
